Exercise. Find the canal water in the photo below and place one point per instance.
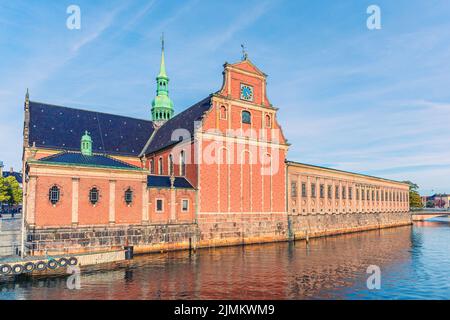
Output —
(414, 263)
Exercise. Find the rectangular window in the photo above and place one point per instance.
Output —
(363, 195)
(303, 189)
(294, 189)
(357, 194)
(330, 192)
(159, 205)
(313, 190)
(322, 191)
(336, 192)
(344, 196)
(378, 195)
(373, 195)
(368, 195)
(185, 205)
(350, 193)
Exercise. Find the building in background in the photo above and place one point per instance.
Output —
(214, 174)
(438, 200)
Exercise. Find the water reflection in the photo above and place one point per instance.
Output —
(413, 261)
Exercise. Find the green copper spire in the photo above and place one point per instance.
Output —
(86, 144)
(162, 106)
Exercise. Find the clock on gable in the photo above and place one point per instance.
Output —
(246, 92)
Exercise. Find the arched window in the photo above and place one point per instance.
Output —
(182, 164)
(54, 195)
(160, 166)
(170, 165)
(93, 196)
(246, 117)
(152, 166)
(268, 121)
(223, 113)
(128, 196)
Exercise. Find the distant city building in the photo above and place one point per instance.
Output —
(438, 200)
(11, 172)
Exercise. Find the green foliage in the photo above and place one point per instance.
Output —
(430, 204)
(414, 197)
(10, 191)
(4, 195)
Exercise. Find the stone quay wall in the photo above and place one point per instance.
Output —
(211, 230)
(144, 238)
(224, 229)
(309, 226)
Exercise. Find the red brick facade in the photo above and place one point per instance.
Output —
(235, 163)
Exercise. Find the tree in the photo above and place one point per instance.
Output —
(14, 190)
(414, 197)
(4, 195)
(430, 204)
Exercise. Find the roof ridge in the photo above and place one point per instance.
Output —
(344, 171)
(93, 111)
(174, 119)
(185, 110)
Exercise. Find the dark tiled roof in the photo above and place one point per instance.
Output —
(164, 182)
(96, 160)
(184, 120)
(61, 128)
(16, 175)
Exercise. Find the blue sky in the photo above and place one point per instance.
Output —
(370, 101)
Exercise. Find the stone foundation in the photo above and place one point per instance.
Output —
(144, 238)
(211, 230)
(224, 229)
(303, 226)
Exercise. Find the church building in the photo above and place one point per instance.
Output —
(215, 174)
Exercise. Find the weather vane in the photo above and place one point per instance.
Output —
(162, 41)
(244, 53)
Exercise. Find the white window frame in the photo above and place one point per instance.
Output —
(182, 207)
(156, 205)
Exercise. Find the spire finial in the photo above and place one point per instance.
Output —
(244, 53)
(27, 95)
(162, 41)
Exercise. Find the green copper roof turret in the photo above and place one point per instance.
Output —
(162, 106)
(86, 144)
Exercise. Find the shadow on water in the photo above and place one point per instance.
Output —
(326, 268)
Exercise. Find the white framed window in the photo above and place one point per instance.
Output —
(54, 195)
(185, 205)
(159, 205)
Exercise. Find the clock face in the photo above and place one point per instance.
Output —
(246, 92)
